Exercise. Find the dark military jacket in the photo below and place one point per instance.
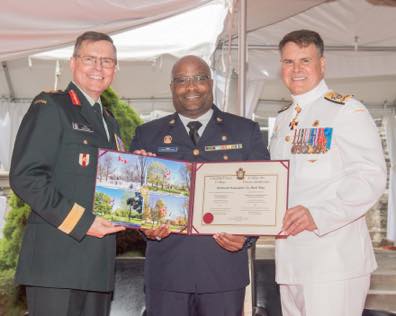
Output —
(198, 263)
(53, 169)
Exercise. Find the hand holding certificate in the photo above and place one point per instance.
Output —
(247, 198)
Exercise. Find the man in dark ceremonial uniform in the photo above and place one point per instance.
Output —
(67, 256)
(197, 275)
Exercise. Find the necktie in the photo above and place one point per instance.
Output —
(98, 111)
(194, 127)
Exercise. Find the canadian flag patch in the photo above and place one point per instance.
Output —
(83, 160)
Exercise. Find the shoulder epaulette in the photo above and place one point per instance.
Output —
(285, 108)
(39, 101)
(337, 98)
(54, 91)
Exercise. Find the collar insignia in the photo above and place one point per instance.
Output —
(74, 97)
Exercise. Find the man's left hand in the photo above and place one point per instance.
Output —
(230, 242)
(298, 219)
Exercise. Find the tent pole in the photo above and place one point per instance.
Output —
(242, 57)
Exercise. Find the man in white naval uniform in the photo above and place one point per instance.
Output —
(337, 172)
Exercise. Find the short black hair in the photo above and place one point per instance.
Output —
(93, 36)
(303, 38)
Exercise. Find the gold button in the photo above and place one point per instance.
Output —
(85, 142)
(196, 152)
(224, 138)
(287, 138)
(225, 157)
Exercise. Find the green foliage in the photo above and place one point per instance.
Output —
(126, 117)
(102, 204)
(11, 296)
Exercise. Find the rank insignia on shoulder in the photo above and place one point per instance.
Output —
(336, 97)
(74, 97)
(40, 101)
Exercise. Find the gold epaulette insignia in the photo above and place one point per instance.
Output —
(40, 101)
(285, 108)
(337, 98)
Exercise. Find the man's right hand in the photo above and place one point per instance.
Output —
(157, 233)
(102, 227)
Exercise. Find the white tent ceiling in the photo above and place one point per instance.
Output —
(31, 26)
(360, 40)
(369, 72)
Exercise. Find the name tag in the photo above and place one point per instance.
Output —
(223, 147)
(168, 149)
(81, 128)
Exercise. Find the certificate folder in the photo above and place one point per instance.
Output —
(243, 197)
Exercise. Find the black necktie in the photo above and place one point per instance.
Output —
(98, 112)
(194, 127)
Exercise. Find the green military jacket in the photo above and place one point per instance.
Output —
(53, 169)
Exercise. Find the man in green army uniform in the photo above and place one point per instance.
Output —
(67, 255)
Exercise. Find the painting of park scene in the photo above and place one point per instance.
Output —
(142, 192)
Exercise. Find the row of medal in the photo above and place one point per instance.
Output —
(311, 140)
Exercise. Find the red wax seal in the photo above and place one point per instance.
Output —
(208, 218)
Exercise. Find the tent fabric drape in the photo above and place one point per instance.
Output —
(11, 115)
(28, 27)
(390, 130)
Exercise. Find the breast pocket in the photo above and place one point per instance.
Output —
(79, 154)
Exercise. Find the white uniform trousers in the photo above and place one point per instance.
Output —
(336, 298)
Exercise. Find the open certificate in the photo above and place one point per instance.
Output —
(247, 198)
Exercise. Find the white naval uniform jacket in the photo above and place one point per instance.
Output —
(337, 186)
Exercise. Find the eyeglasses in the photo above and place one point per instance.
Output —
(183, 81)
(105, 62)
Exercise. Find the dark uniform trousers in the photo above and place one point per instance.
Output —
(53, 170)
(193, 275)
(43, 301)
